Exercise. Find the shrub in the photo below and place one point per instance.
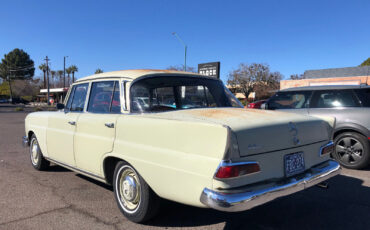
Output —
(18, 109)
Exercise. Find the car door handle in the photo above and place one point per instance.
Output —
(72, 122)
(109, 125)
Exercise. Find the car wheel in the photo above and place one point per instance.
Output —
(352, 150)
(37, 159)
(134, 197)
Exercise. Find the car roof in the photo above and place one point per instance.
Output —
(136, 73)
(325, 87)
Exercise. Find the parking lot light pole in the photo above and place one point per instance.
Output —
(186, 47)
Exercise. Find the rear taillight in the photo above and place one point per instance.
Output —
(236, 170)
(327, 149)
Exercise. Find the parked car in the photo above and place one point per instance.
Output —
(219, 155)
(4, 100)
(256, 104)
(350, 105)
(18, 100)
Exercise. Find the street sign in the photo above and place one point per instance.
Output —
(211, 69)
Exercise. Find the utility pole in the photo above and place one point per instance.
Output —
(186, 47)
(47, 77)
(10, 86)
(64, 72)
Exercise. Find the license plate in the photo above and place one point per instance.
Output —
(294, 163)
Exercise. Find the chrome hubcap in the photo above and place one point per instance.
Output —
(129, 189)
(349, 150)
(34, 152)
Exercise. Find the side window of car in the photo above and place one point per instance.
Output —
(116, 102)
(333, 99)
(104, 97)
(70, 98)
(290, 100)
(364, 96)
(79, 97)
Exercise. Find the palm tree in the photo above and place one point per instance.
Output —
(98, 71)
(73, 69)
(69, 71)
(60, 74)
(52, 72)
(42, 67)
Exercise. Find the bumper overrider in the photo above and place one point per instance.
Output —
(247, 197)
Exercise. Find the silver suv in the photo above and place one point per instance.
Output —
(350, 105)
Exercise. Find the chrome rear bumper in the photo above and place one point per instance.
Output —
(247, 197)
(25, 141)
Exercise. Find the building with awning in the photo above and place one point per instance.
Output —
(57, 94)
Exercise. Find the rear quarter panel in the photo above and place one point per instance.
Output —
(176, 158)
(347, 116)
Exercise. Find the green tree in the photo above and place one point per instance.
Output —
(73, 70)
(181, 68)
(255, 77)
(98, 71)
(16, 65)
(53, 73)
(366, 62)
(296, 76)
(68, 71)
(60, 75)
(43, 68)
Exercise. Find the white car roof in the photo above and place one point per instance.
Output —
(136, 73)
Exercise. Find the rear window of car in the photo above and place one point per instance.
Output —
(333, 99)
(364, 96)
(290, 100)
(160, 94)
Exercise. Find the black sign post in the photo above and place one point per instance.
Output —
(211, 69)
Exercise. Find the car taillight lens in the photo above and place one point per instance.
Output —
(328, 149)
(237, 170)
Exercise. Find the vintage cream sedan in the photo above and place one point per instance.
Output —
(180, 136)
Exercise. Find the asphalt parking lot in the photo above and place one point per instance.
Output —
(62, 199)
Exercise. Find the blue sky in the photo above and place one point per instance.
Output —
(290, 36)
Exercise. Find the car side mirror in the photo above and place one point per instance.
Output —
(60, 106)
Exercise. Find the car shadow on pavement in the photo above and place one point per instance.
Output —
(101, 184)
(344, 205)
(57, 168)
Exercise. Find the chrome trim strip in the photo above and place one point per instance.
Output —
(324, 146)
(247, 197)
(25, 142)
(75, 169)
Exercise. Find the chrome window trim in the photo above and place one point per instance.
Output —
(123, 95)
